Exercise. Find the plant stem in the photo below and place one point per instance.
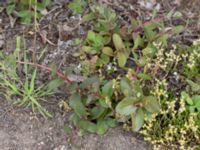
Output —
(35, 32)
(60, 74)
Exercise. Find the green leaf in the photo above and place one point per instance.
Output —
(137, 119)
(77, 6)
(76, 103)
(142, 61)
(105, 58)
(52, 86)
(75, 119)
(45, 3)
(191, 109)
(144, 76)
(32, 83)
(107, 39)
(41, 109)
(91, 36)
(96, 112)
(103, 103)
(169, 15)
(177, 14)
(100, 62)
(99, 41)
(26, 20)
(149, 33)
(12, 86)
(88, 126)
(149, 51)
(151, 104)
(110, 122)
(41, 6)
(126, 107)
(121, 57)
(186, 97)
(78, 41)
(89, 17)
(107, 89)
(125, 87)
(87, 49)
(95, 40)
(196, 100)
(102, 127)
(118, 43)
(25, 2)
(177, 29)
(24, 14)
(164, 39)
(195, 87)
(2, 55)
(108, 51)
(137, 40)
(89, 81)
(67, 129)
(134, 23)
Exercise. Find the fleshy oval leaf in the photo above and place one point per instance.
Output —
(107, 89)
(125, 87)
(108, 51)
(137, 120)
(126, 107)
(76, 103)
(118, 43)
(121, 58)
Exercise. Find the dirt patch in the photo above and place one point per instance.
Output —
(21, 130)
(114, 139)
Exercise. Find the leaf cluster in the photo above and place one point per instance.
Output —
(124, 97)
(26, 10)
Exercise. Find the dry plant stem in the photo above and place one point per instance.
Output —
(35, 32)
(60, 74)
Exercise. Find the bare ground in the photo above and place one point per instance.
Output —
(21, 130)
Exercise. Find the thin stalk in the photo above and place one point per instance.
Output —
(60, 74)
(35, 32)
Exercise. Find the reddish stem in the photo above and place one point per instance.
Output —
(136, 73)
(60, 74)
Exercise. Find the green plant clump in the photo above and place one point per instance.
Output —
(102, 98)
(130, 79)
(27, 92)
(26, 10)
